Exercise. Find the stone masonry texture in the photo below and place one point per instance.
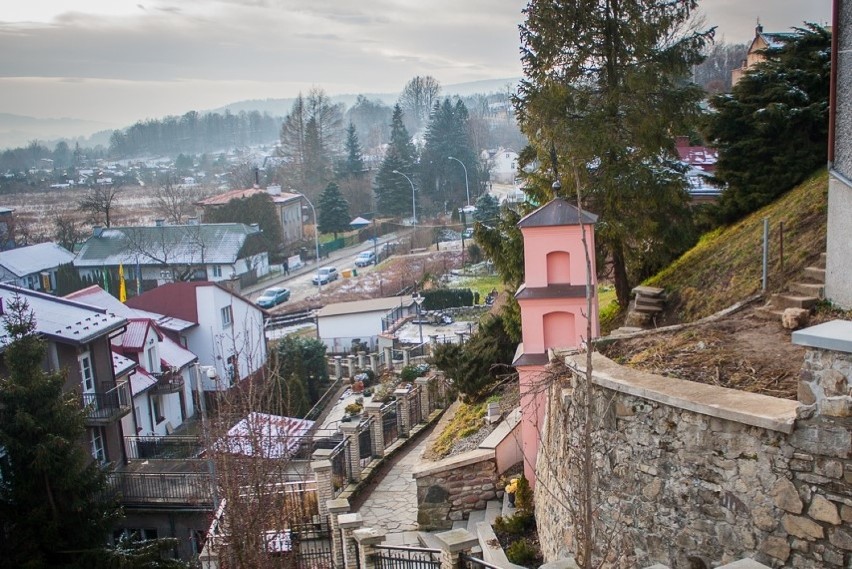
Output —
(682, 487)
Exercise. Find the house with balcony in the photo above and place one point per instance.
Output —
(151, 256)
(222, 328)
(35, 266)
(78, 342)
(162, 477)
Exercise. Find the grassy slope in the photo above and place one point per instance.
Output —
(725, 266)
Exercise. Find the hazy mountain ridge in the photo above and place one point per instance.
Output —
(20, 130)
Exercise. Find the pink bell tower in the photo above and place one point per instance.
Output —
(553, 305)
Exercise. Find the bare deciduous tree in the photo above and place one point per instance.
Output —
(98, 204)
(175, 202)
(67, 231)
(417, 99)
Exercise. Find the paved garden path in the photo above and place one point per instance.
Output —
(392, 504)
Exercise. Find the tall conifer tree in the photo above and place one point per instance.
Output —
(53, 496)
(605, 92)
(393, 192)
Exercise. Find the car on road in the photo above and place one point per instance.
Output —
(468, 232)
(273, 296)
(365, 258)
(325, 275)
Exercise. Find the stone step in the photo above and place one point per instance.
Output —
(396, 538)
(821, 263)
(651, 291)
(428, 540)
(646, 308)
(815, 274)
(768, 312)
(809, 289)
(492, 511)
(782, 301)
(460, 524)
(474, 518)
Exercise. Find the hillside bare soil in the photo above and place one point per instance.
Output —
(740, 352)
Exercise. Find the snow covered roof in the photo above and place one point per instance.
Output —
(25, 261)
(264, 435)
(61, 319)
(556, 212)
(121, 365)
(207, 243)
(359, 306)
(140, 381)
(173, 354)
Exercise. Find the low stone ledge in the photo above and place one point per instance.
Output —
(502, 430)
(453, 462)
(724, 403)
(835, 335)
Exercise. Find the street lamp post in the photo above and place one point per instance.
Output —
(316, 241)
(418, 300)
(413, 201)
(466, 186)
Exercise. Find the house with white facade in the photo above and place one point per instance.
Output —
(502, 165)
(34, 267)
(222, 328)
(163, 374)
(362, 321)
(152, 256)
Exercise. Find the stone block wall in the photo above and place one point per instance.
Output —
(448, 490)
(692, 481)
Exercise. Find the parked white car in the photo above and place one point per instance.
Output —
(325, 275)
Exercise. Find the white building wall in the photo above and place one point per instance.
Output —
(364, 325)
(214, 343)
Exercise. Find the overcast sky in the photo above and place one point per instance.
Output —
(117, 61)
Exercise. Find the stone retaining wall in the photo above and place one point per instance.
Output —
(449, 489)
(694, 475)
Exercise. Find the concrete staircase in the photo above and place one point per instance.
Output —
(803, 294)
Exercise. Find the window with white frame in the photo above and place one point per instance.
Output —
(217, 271)
(227, 316)
(98, 450)
(87, 374)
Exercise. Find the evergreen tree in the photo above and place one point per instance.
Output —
(601, 101)
(772, 131)
(352, 175)
(442, 179)
(53, 499)
(333, 211)
(393, 192)
(353, 163)
(301, 362)
(259, 209)
(487, 210)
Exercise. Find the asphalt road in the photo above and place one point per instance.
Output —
(299, 281)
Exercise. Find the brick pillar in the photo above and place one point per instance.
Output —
(350, 431)
(404, 411)
(453, 544)
(389, 358)
(336, 508)
(349, 523)
(377, 436)
(351, 366)
(325, 490)
(338, 367)
(406, 356)
(374, 363)
(368, 539)
(362, 360)
(433, 343)
(422, 384)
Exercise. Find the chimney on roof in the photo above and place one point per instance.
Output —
(97, 231)
(256, 177)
